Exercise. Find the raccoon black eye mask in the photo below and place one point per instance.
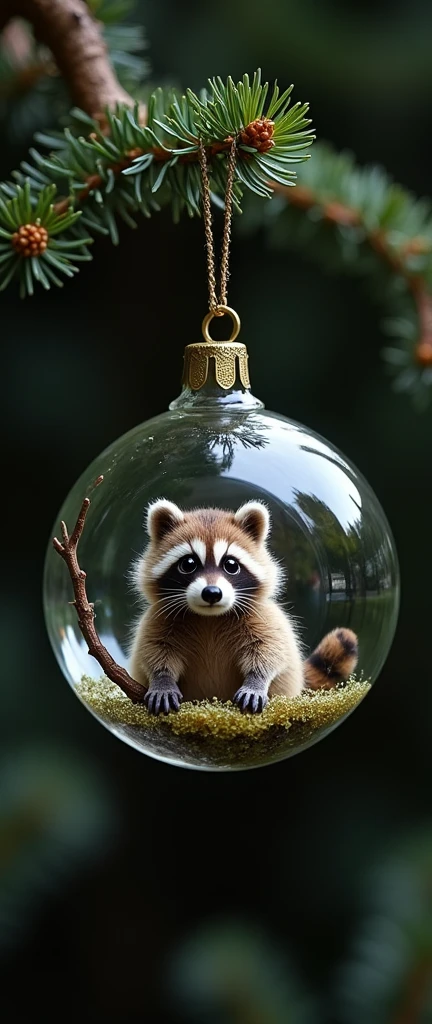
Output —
(212, 626)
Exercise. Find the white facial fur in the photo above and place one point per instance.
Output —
(252, 517)
(200, 607)
(245, 559)
(172, 556)
(219, 550)
(222, 548)
(193, 547)
(199, 549)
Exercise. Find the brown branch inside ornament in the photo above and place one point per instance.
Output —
(85, 609)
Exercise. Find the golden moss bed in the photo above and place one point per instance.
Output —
(209, 734)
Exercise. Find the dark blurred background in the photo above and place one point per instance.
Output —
(301, 892)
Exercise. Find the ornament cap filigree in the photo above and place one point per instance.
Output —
(227, 359)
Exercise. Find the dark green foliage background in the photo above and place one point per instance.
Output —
(278, 861)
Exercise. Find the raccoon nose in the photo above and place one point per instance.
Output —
(211, 594)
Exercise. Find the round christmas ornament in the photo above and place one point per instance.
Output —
(236, 590)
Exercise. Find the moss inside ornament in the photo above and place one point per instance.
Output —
(331, 569)
(215, 735)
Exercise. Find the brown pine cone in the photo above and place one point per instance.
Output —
(30, 240)
(259, 134)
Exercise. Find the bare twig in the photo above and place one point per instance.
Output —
(85, 610)
(68, 29)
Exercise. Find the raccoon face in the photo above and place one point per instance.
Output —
(207, 561)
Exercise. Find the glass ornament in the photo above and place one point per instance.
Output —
(218, 446)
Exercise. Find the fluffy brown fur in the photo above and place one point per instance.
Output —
(332, 661)
(213, 627)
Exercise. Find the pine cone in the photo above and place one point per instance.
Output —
(259, 134)
(30, 240)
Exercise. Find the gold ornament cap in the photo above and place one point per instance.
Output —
(230, 358)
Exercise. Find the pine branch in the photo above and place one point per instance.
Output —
(121, 167)
(34, 243)
(85, 611)
(161, 157)
(397, 258)
(353, 219)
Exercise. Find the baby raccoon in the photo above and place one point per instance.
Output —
(213, 627)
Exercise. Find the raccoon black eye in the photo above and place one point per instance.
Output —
(187, 564)
(231, 566)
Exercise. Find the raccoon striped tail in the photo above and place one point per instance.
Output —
(332, 661)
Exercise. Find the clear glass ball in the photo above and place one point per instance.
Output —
(328, 530)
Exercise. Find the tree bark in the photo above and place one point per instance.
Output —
(74, 38)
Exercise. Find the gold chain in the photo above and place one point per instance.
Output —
(214, 304)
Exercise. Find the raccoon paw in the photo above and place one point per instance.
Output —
(251, 698)
(164, 695)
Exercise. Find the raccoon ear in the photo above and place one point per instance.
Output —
(162, 516)
(254, 518)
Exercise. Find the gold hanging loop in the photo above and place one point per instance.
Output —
(221, 311)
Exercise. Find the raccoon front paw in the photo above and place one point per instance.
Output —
(164, 695)
(251, 697)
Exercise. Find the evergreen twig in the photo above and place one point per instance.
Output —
(396, 257)
(353, 219)
(107, 165)
(121, 167)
